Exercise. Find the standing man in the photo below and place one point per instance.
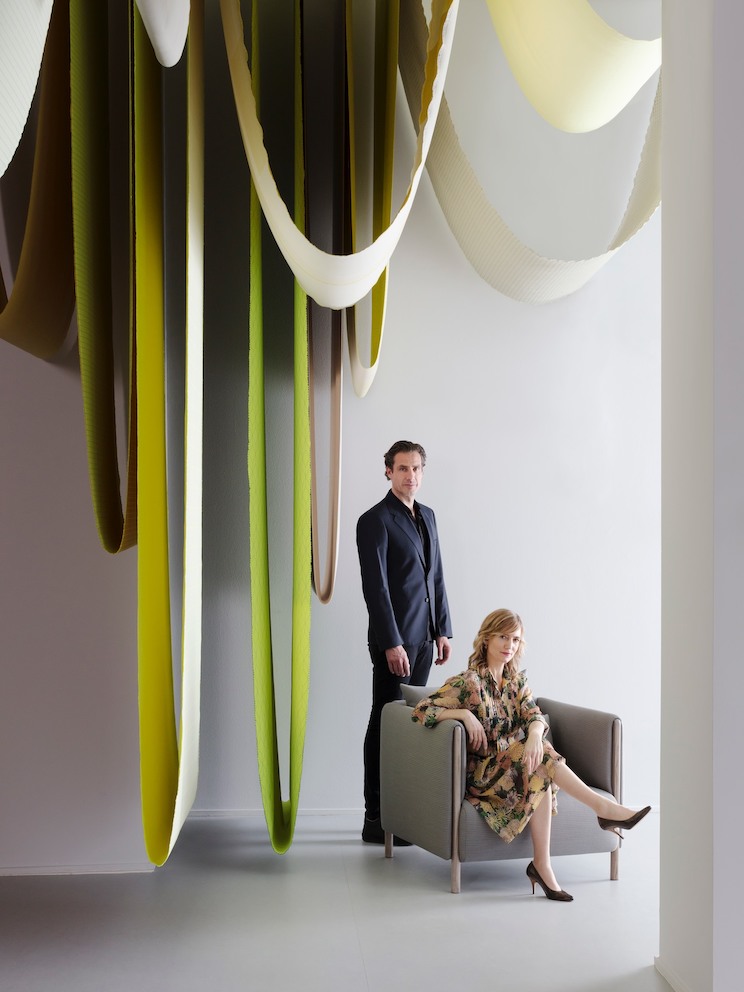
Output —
(403, 587)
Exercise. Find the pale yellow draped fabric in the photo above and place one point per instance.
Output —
(492, 248)
(576, 70)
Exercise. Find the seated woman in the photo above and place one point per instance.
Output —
(511, 767)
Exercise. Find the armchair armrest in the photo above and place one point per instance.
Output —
(590, 741)
(417, 800)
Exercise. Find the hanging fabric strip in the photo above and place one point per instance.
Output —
(168, 784)
(22, 37)
(280, 813)
(385, 89)
(492, 249)
(38, 321)
(334, 281)
(324, 579)
(576, 71)
(334, 138)
(167, 23)
(91, 199)
(191, 617)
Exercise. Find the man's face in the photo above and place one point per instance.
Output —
(405, 475)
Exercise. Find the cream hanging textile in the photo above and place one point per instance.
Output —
(332, 280)
(23, 31)
(494, 251)
(576, 71)
(39, 321)
(167, 24)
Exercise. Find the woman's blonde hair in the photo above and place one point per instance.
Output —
(498, 622)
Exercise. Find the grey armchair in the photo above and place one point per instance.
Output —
(422, 785)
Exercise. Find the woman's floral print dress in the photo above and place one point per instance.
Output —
(497, 782)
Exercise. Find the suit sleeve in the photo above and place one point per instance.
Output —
(442, 620)
(372, 545)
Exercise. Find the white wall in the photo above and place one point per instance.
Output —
(703, 486)
(542, 428)
(69, 775)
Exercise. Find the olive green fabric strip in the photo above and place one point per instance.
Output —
(91, 194)
(387, 16)
(386, 82)
(280, 813)
(33, 318)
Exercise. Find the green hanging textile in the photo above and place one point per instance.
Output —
(158, 742)
(91, 199)
(168, 762)
(387, 18)
(280, 813)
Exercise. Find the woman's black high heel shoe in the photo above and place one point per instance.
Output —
(623, 824)
(558, 894)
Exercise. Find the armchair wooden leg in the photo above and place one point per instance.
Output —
(614, 861)
(455, 874)
(388, 844)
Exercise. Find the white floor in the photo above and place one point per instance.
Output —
(226, 914)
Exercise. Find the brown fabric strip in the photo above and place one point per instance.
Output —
(37, 312)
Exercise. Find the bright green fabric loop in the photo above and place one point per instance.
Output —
(280, 813)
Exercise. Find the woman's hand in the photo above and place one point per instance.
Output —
(533, 748)
(476, 734)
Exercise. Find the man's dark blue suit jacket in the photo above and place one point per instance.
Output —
(406, 604)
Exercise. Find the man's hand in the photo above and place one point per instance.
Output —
(397, 660)
(444, 650)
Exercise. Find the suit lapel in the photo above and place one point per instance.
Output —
(403, 519)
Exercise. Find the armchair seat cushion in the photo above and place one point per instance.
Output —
(574, 830)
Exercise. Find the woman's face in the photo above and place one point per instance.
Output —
(501, 648)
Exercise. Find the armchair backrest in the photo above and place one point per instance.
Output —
(590, 741)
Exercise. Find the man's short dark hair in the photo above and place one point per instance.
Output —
(403, 447)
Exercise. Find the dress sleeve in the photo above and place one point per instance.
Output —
(529, 711)
(460, 692)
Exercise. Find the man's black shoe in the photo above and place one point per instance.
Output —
(372, 833)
